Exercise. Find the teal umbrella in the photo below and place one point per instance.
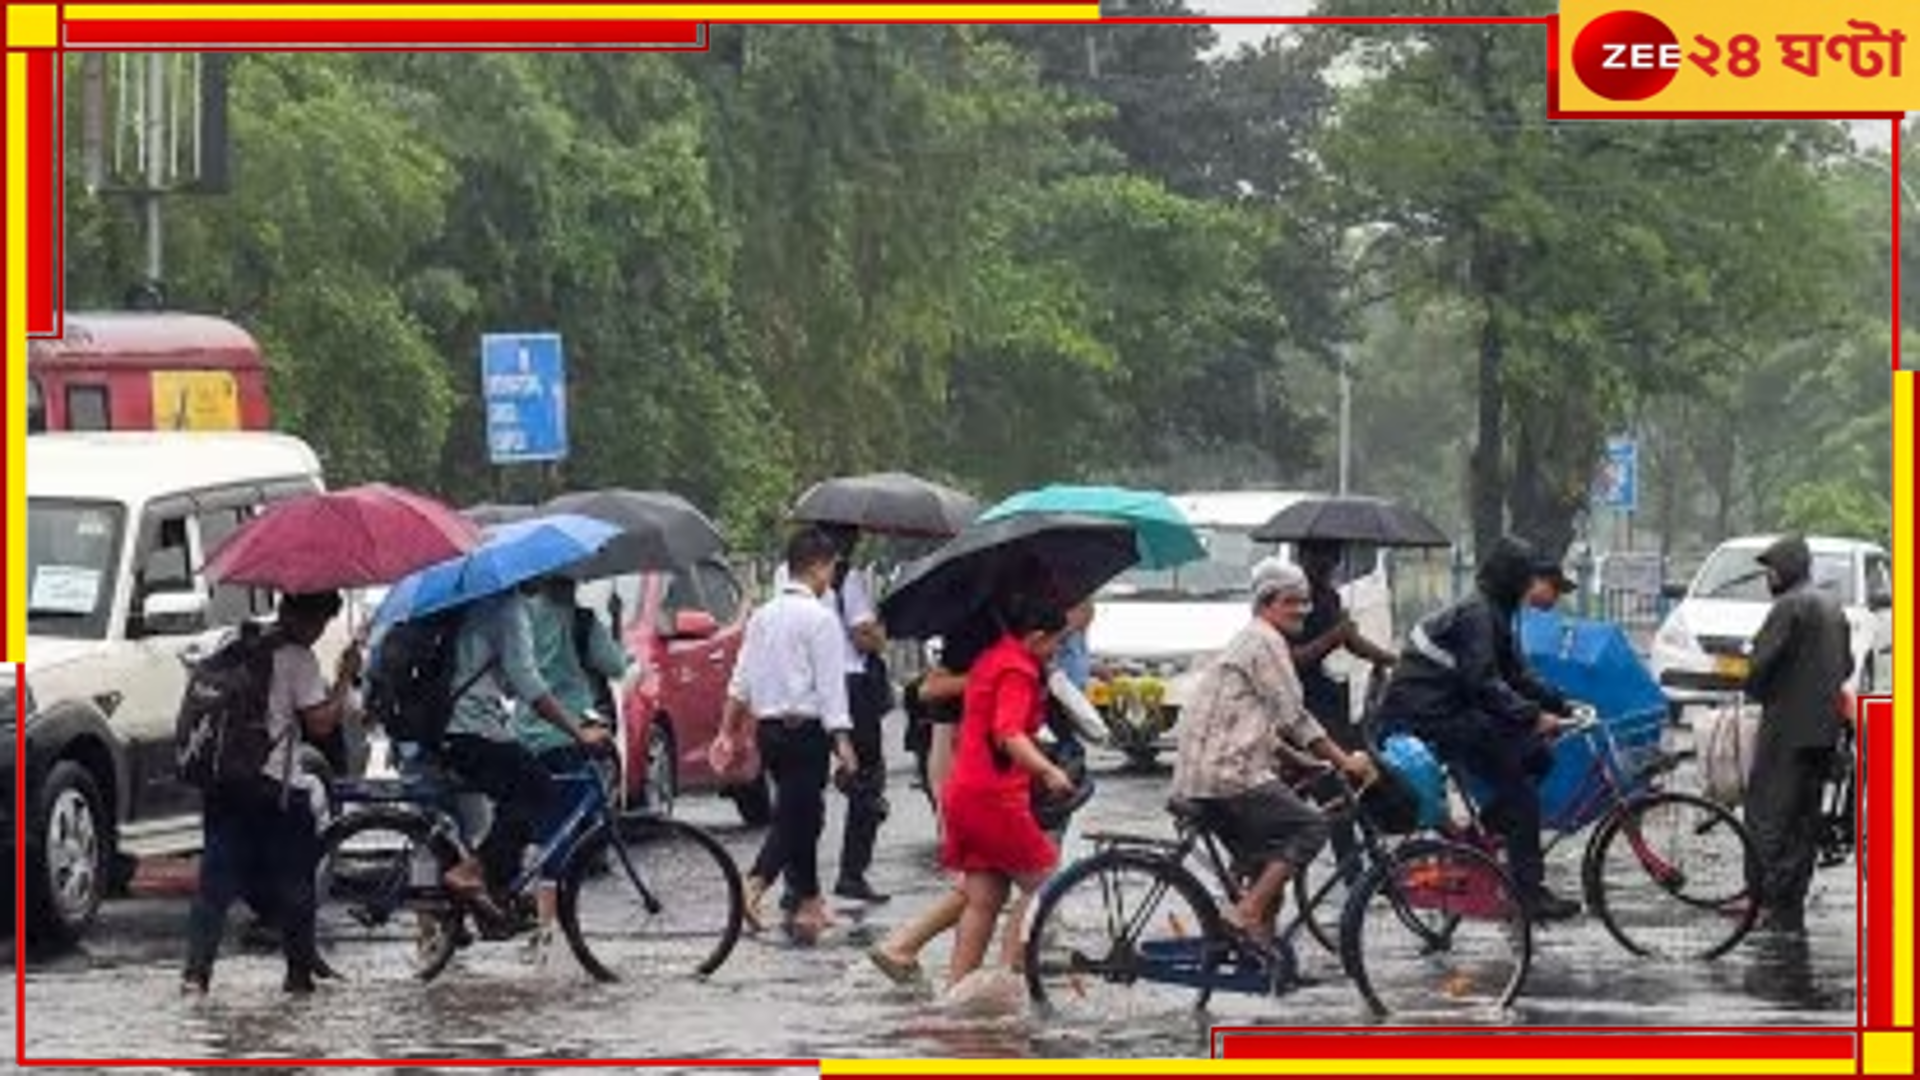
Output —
(1161, 531)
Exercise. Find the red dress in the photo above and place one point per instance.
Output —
(986, 809)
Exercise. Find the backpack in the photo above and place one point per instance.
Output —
(410, 691)
(583, 625)
(220, 732)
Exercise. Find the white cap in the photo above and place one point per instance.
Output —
(1274, 575)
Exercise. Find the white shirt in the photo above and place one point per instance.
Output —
(793, 660)
(856, 611)
(297, 685)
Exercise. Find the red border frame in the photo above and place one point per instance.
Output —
(45, 250)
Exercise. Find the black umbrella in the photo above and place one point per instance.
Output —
(659, 531)
(1352, 519)
(487, 515)
(900, 504)
(1065, 557)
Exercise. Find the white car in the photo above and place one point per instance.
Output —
(1157, 626)
(118, 527)
(1700, 653)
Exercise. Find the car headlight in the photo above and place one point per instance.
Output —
(1675, 635)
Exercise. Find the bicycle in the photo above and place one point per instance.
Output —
(381, 898)
(1086, 936)
(1625, 806)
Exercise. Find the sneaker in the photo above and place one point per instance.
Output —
(299, 983)
(538, 948)
(193, 986)
(1546, 907)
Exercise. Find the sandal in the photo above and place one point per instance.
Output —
(902, 972)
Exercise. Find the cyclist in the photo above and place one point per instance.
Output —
(1463, 686)
(494, 659)
(1247, 706)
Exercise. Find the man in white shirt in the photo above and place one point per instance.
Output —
(789, 689)
(265, 830)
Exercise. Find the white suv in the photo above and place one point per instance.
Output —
(1700, 651)
(118, 527)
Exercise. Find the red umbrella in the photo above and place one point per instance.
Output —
(369, 535)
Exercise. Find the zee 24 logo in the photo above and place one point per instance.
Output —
(1631, 56)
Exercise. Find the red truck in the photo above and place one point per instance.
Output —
(146, 371)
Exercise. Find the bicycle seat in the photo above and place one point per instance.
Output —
(1187, 811)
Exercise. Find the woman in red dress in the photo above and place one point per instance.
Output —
(986, 806)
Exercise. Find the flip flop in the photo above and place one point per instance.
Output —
(902, 972)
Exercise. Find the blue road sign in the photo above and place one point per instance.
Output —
(1618, 486)
(523, 378)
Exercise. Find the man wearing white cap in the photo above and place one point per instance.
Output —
(1245, 710)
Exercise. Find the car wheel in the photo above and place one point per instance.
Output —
(663, 774)
(754, 801)
(67, 859)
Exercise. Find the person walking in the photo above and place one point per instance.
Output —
(1801, 660)
(869, 699)
(260, 836)
(990, 834)
(788, 692)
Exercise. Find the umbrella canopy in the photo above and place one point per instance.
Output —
(1352, 519)
(347, 539)
(899, 504)
(1164, 537)
(1070, 556)
(658, 531)
(512, 554)
(487, 515)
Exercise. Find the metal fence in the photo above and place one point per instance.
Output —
(1626, 588)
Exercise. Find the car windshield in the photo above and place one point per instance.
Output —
(72, 556)
(1224, 574)
(1735, 573)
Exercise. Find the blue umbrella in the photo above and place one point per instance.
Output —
(1160, 530)
(511, 555)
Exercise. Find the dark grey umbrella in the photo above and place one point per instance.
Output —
(898, 504)
(1352, 519)
(487, 515)
(658, 531)
(1066, 557)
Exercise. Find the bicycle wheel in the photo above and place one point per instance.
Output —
(1323, 919)
(1668, 875)
(1436, 928)
(660, 898)
(380, 914)
(1122, 934)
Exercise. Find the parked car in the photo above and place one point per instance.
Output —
(1700, 652)
(118, 526)
(683, 628)
(1153, 628)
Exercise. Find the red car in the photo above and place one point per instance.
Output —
(683, 630)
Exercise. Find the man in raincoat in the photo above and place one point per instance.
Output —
(1802, 658)
(1464, 687)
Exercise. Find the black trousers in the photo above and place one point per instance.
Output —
(796, 755)
(261, 845)
(524, 797)
(868, 697)
(1783, 813)
(1512, 765)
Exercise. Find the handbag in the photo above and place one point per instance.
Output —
(734, 762)
(1727, 738)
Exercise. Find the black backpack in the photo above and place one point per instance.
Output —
(220, 733)
(410, 691)
(583, 626)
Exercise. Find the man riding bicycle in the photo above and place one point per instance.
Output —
(1247, 707)
(494, 658)
(1464, 687)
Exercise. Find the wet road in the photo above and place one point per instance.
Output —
(775, 999)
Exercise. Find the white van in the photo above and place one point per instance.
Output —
(1156, 626)
(118, 527)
